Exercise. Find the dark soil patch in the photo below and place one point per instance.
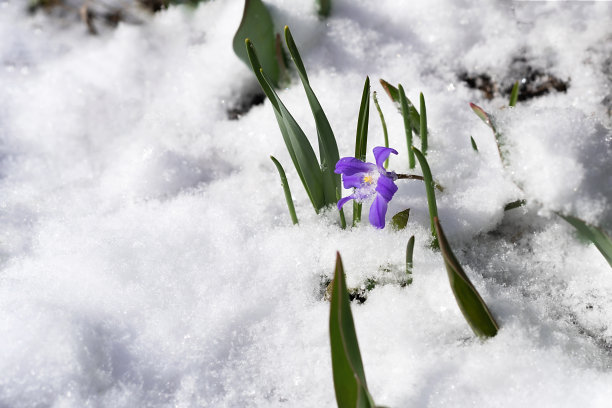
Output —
(533, 81)
(244, 105)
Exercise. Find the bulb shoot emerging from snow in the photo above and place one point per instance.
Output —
(368, 180)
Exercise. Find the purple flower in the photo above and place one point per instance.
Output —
(369, 179)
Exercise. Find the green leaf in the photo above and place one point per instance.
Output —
(407, 125)
(430, 190)
(514, 204)
(423, 124)
(361, 138)
(394, 95)
(285, 185)
(514, 94)
(349, 377)
(596, 235)
(298, 146)
(470, 303)
(473, 144)
(490, 121)
(384, 125)
(486, 118)
(323, 7)
(409, 253)
(328, 148)
(257, 25)
(400, 220)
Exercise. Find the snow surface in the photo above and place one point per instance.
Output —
(146, 253)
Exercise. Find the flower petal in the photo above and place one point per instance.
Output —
(385, 188)
(378, 210)
(352, 181)
(381, 154)
(350, 165)
(343, 201)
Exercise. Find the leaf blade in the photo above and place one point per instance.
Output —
(473, 308)
(596, 235)
(347, 368)
(287, 191)
(400, 220)
(257, 24)
(430, 190)
(328, 147)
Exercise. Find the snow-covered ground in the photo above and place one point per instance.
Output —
(147, 257)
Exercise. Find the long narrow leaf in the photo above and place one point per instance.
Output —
(490, 121)
(407, 125)
(257, 24)
(285, 185)
(384, 124)
(347, 367)
(394, 95)
(361, 138)
(328, 148)
(473, 144)
(409, 254)
(423, 124)
(362, 122)
(323, 7)
(596, 235)
(430, 190)
(298, 146)
(514, 94)
(472, 306)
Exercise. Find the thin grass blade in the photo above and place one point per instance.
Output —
(514, 94)
(349, 377)
(474, 144)
(324, 7)
(514, 204)
(257, 24)
(394, 95)
(361, 138)
(423, 124)
(596, 235)
(407, 125)
(328, 148)
(430, 186)
(490, 121)
(384, 125)
(409, 264)
(470, 303)
(285, 185)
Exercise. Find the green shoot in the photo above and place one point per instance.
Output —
(409, 253)
(423, 124)
(596, 235)
(347, 368)
(323, 7)
(361, 139)
(431, 195)
(288, 198)
(384, 125)
(514, 94)
(474, 144)
(394, 95)
(407, 126)
(470, 303)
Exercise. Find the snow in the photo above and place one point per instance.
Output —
(147, 257)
